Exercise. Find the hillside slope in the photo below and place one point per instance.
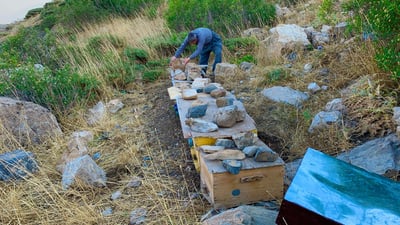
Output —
(144, 141)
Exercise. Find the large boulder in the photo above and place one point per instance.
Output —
(285, 38)
(27, 122)
(285, 95)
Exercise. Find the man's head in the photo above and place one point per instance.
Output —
(192, 38)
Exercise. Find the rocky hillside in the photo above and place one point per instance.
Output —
(151, 178)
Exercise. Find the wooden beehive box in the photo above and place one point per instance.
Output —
(257, 181)
(200, 139)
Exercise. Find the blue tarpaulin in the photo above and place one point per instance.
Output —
(339, 192)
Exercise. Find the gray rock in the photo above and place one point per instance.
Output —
(107, 212)
(285, 95)
(250, 151)
(265, 154)
(27, 122)
(84, 169)
(313, 87)
(211, 148)
(240, 111)
(335, 105)
(197, 111)
(227, 143)
(396, 115)
(17, 165)
(209, 88)
(77, 147)
(114, 105)
(307, 67)
(226, 116)
(324, 119)
(246, 66)
(96, 114)
(377, 156)
(135, 182)
(224, 101)
(291, 170)
(243, 140)
(323, 72)
(244, 215)
(233, 166)
(116, 195)
(138, 216)
(201, 126)
(284, 38)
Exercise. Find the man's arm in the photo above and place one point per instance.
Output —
(200, 45)
(181, 48)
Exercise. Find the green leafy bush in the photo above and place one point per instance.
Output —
(246, 58)
(242, 48)
(223, 16)
(30, 45)
(72, 13)
(325, 11)
(380, 20)
(275, 75)
(57, 91)
(77, 13)
(166, 45)
(129, 7)
(136, 55)
(151, 75)
(237, 44)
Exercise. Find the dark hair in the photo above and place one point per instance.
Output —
(192, 37)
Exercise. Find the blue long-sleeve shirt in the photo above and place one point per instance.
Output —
(204, 37)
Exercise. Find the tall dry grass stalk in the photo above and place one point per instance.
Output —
(134, 31)
(40, 199)
(122, 142)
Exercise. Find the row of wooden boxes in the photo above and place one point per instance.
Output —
(255, 181)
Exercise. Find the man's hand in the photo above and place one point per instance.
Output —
(173, 58)
(186, 60)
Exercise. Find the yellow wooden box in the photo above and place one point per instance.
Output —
(256, 181)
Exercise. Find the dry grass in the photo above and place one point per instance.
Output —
(132, 31)
(13, 28)
(347, 62)
(140, 140)
(167, 198)
(130, 149)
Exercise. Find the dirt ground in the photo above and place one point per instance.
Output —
(164, 132)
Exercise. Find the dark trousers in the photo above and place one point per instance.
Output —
(214, 46)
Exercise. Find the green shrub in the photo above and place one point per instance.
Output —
(151, 75)
(240, 44)
(72, 13)
(117, 71)
(116, 42)
(246, 58)
(57, 91)
(31, 45)
(224, 16)
(136, 55)
(380, 20)
(325, 11)
(129, 7)
(242, 49)
(275, 75)
(155, 64)
(33, 12)
(166, 45)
